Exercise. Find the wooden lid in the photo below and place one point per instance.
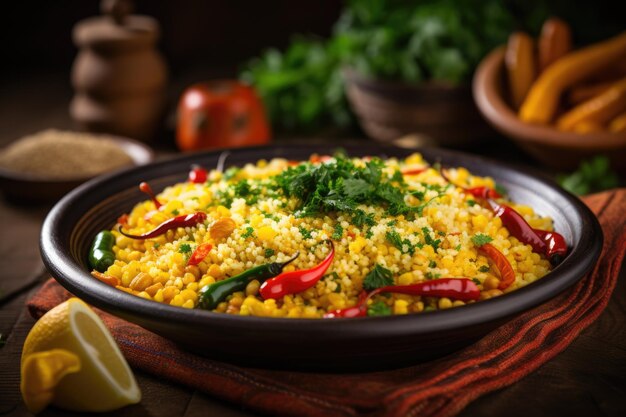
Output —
(117, 28)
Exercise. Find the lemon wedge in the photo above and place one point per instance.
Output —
(69, 359)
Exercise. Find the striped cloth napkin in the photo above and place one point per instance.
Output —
(437, 388)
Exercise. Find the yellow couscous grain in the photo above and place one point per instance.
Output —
(251, 221)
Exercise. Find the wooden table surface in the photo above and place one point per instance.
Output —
(588, 378)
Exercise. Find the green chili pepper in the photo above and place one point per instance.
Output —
(101, 254)
(212, 295)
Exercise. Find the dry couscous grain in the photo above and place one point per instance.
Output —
(251, 221)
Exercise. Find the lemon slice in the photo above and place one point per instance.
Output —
(69, 359)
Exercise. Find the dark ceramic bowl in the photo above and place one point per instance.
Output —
(29, 188)
(300, 343)
(431, 113)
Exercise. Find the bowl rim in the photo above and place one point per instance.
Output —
(71, 275)
(486, 91)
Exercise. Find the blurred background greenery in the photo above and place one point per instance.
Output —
(438, 41)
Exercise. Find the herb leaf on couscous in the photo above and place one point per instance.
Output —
(378, 277)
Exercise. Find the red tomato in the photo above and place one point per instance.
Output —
(220, 114)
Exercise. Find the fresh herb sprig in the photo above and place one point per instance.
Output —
(403, 245)
(480, 239)
(592, 176)
(378, 309)
(378, 277)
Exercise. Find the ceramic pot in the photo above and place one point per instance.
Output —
(119, 76)
(439, 114)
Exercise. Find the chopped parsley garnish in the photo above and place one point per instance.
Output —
(397, 177)
(440, 191)
(481, 239)
(231, 172)
(484, 268)
(476, 281)
(224, 198)
(458, 247)
(471, 203)
(243, 189)
(305, 233)
(175, 212)
(392, 223)
(361, 218)
(248, 233)
(418, 194)
(378, 309)
(184, 248)
(378, 277)
(270, 216)
(403, 245)
(337, 232)
(341, 186)
(500, 189)
(429, 239)
(432, 264)
(156, 245)
(269, 252)
(430, 275)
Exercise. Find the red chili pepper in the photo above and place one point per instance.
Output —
(477, 192)
(107, 279)
(185, 220)
(123, 219)
(199, 254)
(359, 310)
(198, 175)
(456, 288)
(507, 274)
(463, 289)
(296, 281)
(555, 243)
(518, 227)
(483, 192)
(413, 171)
(551, 244)
(145, 188)
(316, 159)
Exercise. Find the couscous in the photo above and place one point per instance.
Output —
(328, 237)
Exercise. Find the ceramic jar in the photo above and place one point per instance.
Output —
(119, 77)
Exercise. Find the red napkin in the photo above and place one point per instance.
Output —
(438, 388)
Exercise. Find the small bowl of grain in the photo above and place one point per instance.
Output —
(46, 165)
